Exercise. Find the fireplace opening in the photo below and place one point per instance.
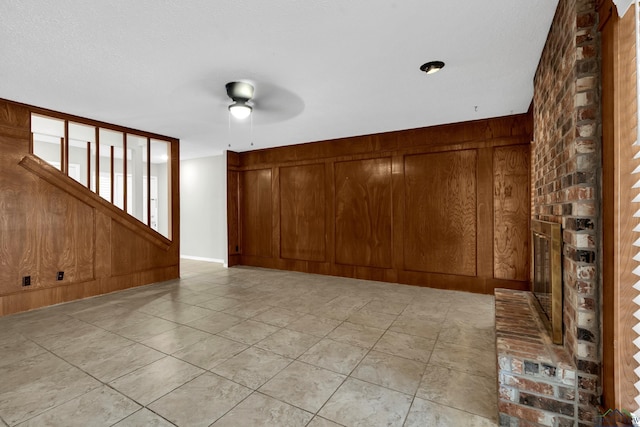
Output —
(546, 275)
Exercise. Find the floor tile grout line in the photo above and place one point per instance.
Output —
(369, 348)
(351, 372)
(68, 400)
(107, 384)
(142, 409)
(457, 409)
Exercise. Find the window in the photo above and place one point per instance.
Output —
(129, 170)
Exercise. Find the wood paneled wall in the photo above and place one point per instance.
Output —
(445, 206)
(511, 213)
(51, 223)
(364, 213)
(440, 212)
(619, 158)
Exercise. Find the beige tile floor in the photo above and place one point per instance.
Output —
(253, 347)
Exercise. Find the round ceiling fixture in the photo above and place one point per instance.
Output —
(241, 93)
(432, 67)
(240, 110)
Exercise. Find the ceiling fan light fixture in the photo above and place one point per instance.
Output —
(240, 110)
(432, 67)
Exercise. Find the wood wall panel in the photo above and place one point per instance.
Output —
(303, 212)
(50, 223)
(132, 253)
(440, 214)
(508, 129)
(484, 249)
(35, 298)
(73, 188)
(414, 206)
(15, 121)
(18, 240)
(256, 213)
(65, 237)
(102, 253)
(626, 148)
(619, 132)
(233, 206)
(234, 227)
(363, 213)
(511, 209)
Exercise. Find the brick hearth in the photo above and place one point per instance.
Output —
(537, 380)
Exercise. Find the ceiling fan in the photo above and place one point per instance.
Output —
(265, 102)
(241, 93)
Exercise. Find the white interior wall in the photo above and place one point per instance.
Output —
(203, 208)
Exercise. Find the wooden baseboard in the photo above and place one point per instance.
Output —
(36, 298)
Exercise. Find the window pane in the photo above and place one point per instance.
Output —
(92, 165)
(160, 187)
(48, 134)
(129, 179)
(136, 176)
(118, 171)
(145, 186)
(109, 141)
(130, 171)
(80, 139)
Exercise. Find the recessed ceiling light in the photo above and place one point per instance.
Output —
(432, 67)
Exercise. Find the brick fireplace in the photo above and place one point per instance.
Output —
(544, 384)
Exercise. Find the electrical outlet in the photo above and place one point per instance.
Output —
(60, 275)
(26, 281)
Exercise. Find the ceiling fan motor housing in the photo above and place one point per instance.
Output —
(239, 91)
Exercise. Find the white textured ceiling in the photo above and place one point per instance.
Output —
(322, 69)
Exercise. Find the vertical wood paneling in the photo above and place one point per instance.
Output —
(302, 212)
(511, 210)
(103, 245)
(619, 132)
(421, 139)
(440, 214)
(363, 212)
(413, 206)
(18, 238)
(398, 201)
(15, 121)
(174, 200)
(50, 223)
(131, 253)
(256, 212)
(275, 214)
(66, 237)
(233, 227)
(484, 251)
(627, 129)
(330, 217)
(18, 214)
(610, 383)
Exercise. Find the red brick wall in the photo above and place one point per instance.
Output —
(566, 175)
(537, 380)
